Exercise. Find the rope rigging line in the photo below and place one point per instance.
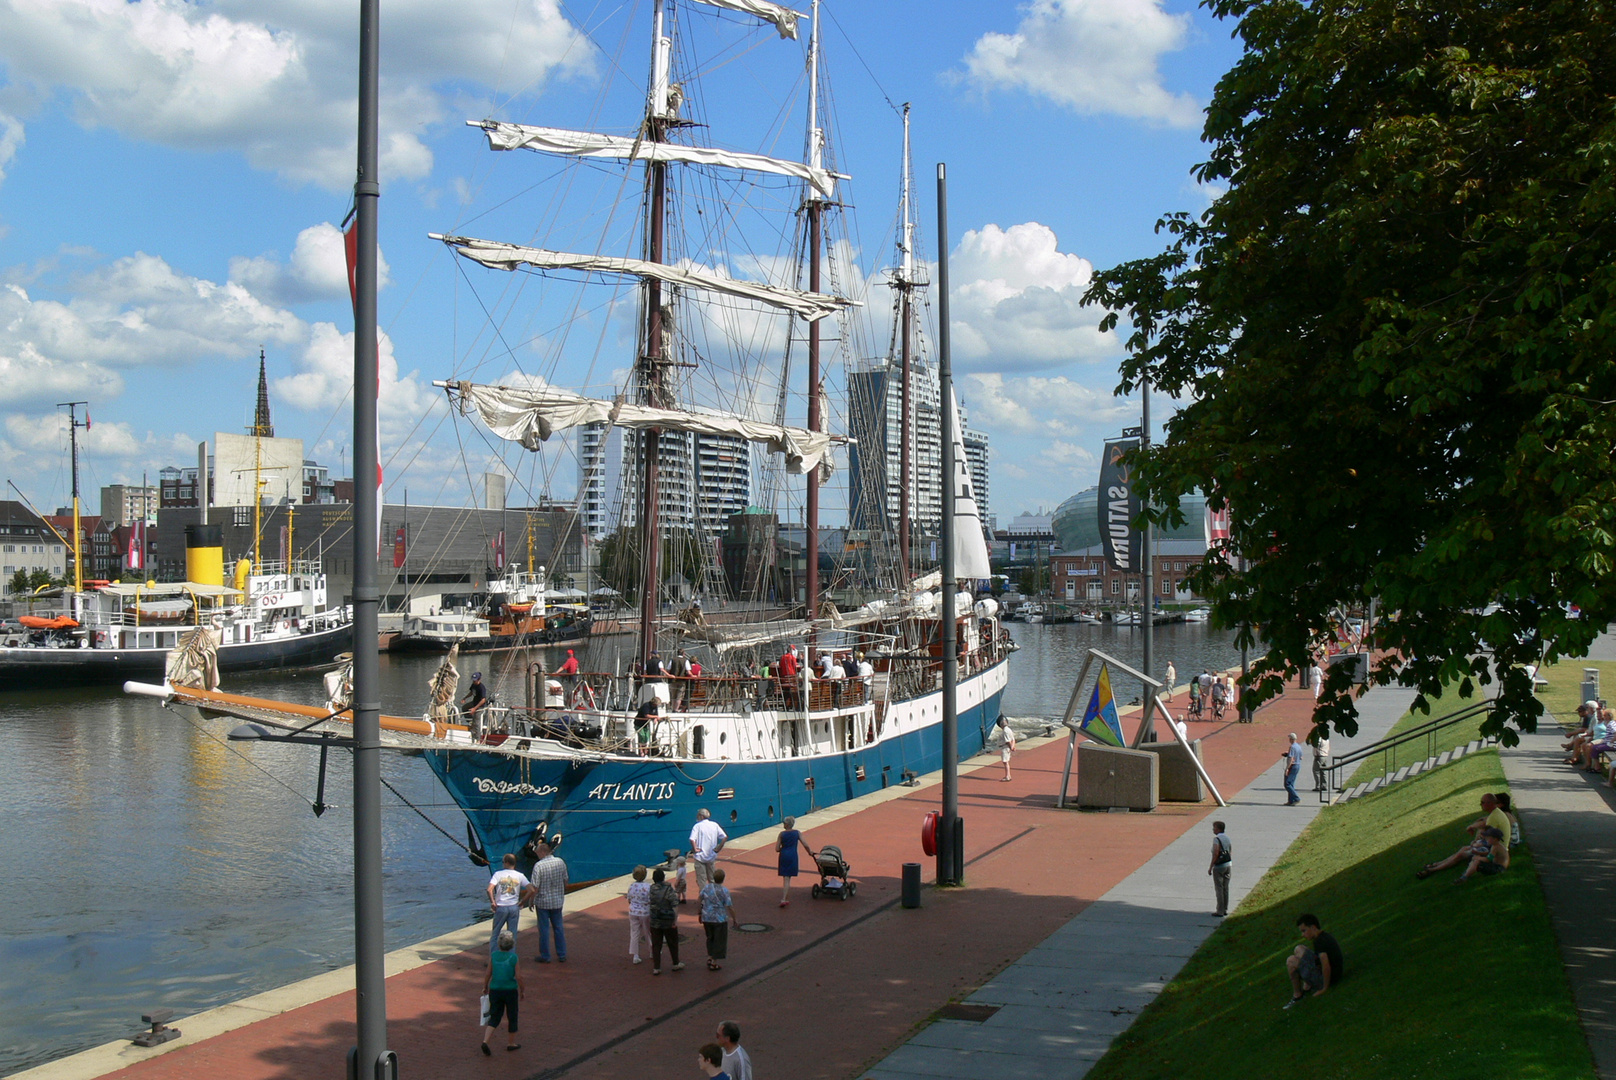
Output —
(399, 796)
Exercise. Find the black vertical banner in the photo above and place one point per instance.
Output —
(1119, 505)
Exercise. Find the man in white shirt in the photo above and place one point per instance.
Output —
(508, 890)
(1316, 674)
(1172, 681)
(706, 841)
(736, 1062)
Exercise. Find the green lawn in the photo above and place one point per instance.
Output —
(1443, 981)
(1420, 749)
(1561, 697)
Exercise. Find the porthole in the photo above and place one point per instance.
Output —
(771, 812)
(722, 736)
(734, 815)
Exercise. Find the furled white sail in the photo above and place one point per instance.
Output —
(970, 548)
(499, 256)
(530, 415)
(783, 18)
(588, 144)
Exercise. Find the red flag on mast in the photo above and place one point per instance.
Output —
(398, 548)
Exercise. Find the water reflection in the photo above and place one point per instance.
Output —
(1041, 673)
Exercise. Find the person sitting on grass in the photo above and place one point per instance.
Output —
(1509, 811)
(1494, 818)
(1318, 965)
(1494, 861)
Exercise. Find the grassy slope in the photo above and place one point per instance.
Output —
(1443, 981)
(1420, 749)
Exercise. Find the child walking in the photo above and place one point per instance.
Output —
(639, 914)
(717, 909)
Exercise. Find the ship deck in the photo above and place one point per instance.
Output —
(827, 990)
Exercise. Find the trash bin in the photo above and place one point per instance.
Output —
(911, 884)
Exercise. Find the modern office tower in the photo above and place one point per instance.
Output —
(875, 413)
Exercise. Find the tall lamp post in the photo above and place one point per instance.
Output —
(370, 1058)
(951, 842)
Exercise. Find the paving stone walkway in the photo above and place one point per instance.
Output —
(1569, 818)
(1060, 1005)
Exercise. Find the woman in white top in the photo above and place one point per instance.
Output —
(1007, 746)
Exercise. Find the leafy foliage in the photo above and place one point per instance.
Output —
(1395, 333)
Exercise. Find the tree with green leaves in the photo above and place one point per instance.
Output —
(1395, 333)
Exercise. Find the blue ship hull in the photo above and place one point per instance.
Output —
(616, 813)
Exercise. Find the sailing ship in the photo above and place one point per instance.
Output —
(271, 615)
(798, 711)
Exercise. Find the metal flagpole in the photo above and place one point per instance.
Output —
(950, 856)
(370, 1058)
(1148, 581)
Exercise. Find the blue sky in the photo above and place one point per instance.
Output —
(171, 175)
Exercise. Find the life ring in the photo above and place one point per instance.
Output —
(928, 832)
(271, 600)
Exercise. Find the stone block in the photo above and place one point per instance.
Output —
(1113, 776)
(1179, 780)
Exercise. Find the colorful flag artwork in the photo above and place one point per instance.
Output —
(1100, 721)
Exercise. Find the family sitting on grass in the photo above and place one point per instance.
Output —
(1595, 738)
(1490, 838)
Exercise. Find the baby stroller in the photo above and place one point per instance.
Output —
(834, 874)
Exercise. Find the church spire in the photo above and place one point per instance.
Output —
(262, 426)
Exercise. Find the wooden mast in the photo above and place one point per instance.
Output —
(653, 364)
(815, 207)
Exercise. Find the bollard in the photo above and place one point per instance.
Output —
(911, 884)
(1590, 684)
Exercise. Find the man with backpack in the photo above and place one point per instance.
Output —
(1222, 865)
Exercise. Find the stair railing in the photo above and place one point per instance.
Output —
(1328, 779)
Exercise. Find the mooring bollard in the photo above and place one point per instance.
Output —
(911, 884)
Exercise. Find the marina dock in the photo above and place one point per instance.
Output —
(830, 988)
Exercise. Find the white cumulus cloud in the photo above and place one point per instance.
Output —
(317, 270)
(279, 89)
(1092, 56)
(1017, 301)
(325, 377)
(11, 140)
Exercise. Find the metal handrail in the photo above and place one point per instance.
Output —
(1426, 731)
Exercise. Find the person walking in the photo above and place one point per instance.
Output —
(503, 986)
(717, 909)
(550, 885)
(1315, 675)
(1321, 763)
(1293, 768)
(639, 914)
(664, 904)
(1195, 698)
(737, 1063)
(1007, 746)
(1222, 866)
(1172, 681)
(509, 891)
(786, 862)
(706, 841)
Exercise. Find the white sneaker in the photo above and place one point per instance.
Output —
(637, 960)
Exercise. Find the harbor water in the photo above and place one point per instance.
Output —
(153, 863)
